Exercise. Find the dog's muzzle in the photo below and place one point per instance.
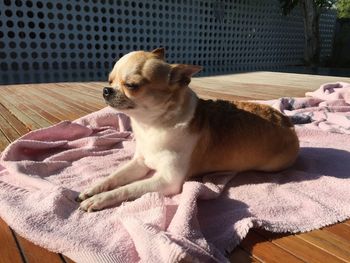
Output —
(108, 92)
(117, 99)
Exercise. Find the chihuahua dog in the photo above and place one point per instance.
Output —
(179, 135)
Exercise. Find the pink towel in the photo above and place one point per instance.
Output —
(42, 172)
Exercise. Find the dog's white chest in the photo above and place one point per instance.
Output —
(152, 141)
(157, 146)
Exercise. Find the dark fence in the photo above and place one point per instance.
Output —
(341, 50)
(47, 41)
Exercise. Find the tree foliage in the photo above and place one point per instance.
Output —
(311, 10)
(288, 5)
(325, 3)
(343, 8)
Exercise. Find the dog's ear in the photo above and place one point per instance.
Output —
(182, 73)
(159, 52)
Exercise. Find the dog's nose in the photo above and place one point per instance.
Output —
(107, 91)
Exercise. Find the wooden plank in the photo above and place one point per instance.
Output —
(18, 112)
(300, 248)
(21, 107)
(45, 110)
(341, 230)
(78, 105)
(291, 80)
(33, 105)
(252, 91)
(53, 106)
(77, 93)
(36, 254)
(67, 102)
(9, 251)
(14, 122)
(266, 251)
(9, 132)
(95, 87)
(241, 256)
(86, 89)
(329, 242)
(264, 85)
(347, 222)
(3, 141)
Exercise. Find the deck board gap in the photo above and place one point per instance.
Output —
(16, 123)
(278, 245)
(26, 112)
(20, 249)
(323, 248)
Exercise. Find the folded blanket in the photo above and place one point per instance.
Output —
(42, 172)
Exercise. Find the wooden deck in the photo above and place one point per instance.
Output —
(28, 107)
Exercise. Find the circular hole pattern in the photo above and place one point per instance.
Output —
(59, 41)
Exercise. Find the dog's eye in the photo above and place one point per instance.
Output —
(132, 86)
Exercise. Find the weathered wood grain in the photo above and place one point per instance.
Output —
(28, 107)
(9, 251)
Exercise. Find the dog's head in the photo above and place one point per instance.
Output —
(143, 84)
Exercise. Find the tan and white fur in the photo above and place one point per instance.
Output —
(179, 135)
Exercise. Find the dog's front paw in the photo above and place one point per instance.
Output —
(85, 195)
(98, 188)
(97, 202)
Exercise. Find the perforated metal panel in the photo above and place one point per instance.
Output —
(45, 41)
(327, 29)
